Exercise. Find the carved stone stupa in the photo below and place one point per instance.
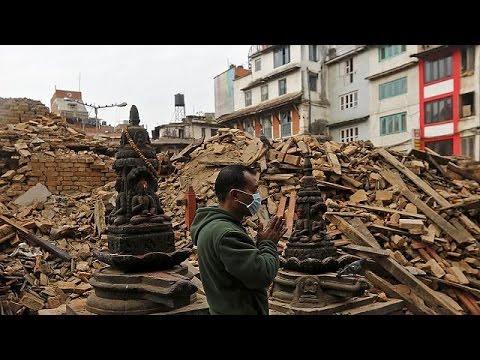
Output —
(144, 274)
(307, 278)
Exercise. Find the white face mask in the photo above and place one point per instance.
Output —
(254, 206)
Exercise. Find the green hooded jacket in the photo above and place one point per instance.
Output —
(235, 272)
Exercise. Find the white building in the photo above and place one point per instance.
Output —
(394, 97)
(348, 92)
(282, 95)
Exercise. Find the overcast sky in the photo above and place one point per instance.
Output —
(147, 76)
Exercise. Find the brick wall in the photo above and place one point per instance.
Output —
(70, 173)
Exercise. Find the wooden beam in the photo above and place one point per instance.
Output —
(432, 161)
(333, 160)
(347, 214)
(366, 249)
(390, 211)
(416, 180)
(281, 206)
(334, 186)
(453, 232)
(289, 218)
(360, 235)
(473, 291)
(31, 238)
(467, 300)
(462, 171)
(424, 155)
(351, 181)
(468, 203)
(415, 307)
(382, 228)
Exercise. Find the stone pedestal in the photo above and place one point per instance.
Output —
(122, 293)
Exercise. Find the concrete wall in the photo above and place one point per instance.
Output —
(408, 102)
(223, 89)
(339, 84)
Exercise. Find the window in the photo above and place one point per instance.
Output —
(282, 87)
(248, 98)
(393, 88)
(438, 110)
(313, 53)
(286, 123)
(349, 100)
(393, 124)
(281, 56)
(389, 51)
(203, 132)
(468, 59)
(468, 146)
(266, 122)
(180, 133)
(213, 132)
(438, 69)
(258, 64)
(349, 69)
(312, 82)
(248, 126)
(264, 92)
(466, 103)
(348, 135)
(442, 147)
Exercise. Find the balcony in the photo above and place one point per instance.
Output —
(257, 49)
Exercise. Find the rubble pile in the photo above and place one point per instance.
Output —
(46, 249)
(421, 209)
(17, 110)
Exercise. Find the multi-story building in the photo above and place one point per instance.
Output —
(348, 92)
(283, 95)
(224, 89)
(449, 84)
(394, 98)
(71, 111)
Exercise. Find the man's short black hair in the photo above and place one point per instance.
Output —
(231, 177)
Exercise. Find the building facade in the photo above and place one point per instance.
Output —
(283, 94)
(348, 92)
(71, 111)
(449, 85)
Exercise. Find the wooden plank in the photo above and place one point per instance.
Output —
(36, 241)
(416, 180)
(278, 177)
(467, 300)
(281, 206)
(393, 179)
(463, 232)
(378, 308)
(434, 162)
(289, 218)
(348, 214)
(184, 154)
(390, 211)
(8, 237)
(468, 203)
(360, 235)
(462, 171)
(333, 160)
(415, 307)
(424, 155)
(366, 249)
(382, 228)
(263, 164)
(334, 186)
(351, 181)
(469, 224)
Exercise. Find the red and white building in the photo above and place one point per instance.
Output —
(448, 92)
